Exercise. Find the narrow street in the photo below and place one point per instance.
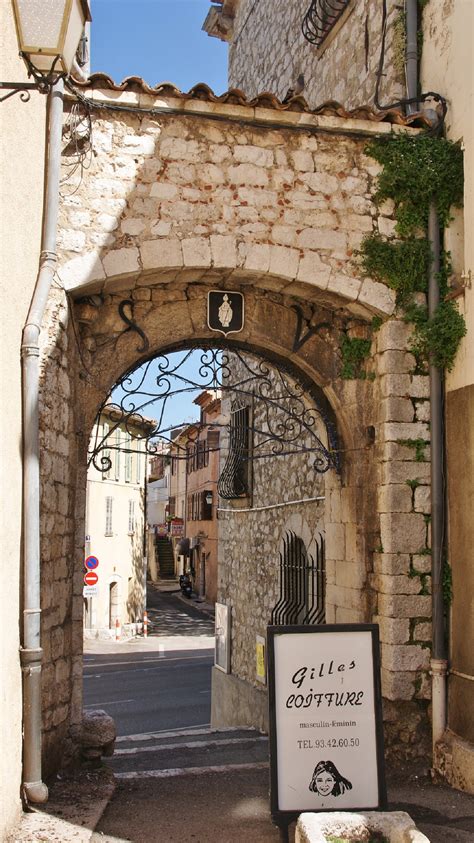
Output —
(172, 771)
(179, 781)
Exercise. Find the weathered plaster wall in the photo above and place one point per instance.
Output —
(268, 52)
(21, 194)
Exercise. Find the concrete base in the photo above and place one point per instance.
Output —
(236, 703)
(454, 761)
(396, 826)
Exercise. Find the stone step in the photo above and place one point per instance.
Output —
(212, 750)
(185, 736)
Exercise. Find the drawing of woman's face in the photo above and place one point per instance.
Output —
(325, 783)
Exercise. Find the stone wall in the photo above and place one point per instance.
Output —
(171, 206)
(268, 53)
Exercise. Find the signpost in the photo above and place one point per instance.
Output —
(91, 578)
(91, 563)
(326, 738)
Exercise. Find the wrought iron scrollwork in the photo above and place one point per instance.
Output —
(320, 18)
(283, 420)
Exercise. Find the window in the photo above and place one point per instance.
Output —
(117, 454)
(322, 17)
(234, 481)
(106, 458)
(138, 458)
(200, 506)
(131, 516)
(302, 583)
(128, 458)
(108, 515)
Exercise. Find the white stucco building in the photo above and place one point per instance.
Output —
(115, 524)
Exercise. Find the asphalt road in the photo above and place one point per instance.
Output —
(161, 684)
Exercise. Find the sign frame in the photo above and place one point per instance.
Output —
(229, 298)
(283, 817)
(222, 639)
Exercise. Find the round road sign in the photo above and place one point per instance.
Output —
(91, 562)
(91, 578)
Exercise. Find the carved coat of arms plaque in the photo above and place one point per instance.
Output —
(225, 311)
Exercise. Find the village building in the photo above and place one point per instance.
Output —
(267, 191)
(115, 527)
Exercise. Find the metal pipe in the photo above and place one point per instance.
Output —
(438, 653)
(31, 652)
(411, 53)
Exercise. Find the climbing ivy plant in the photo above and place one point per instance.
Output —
(417, 171)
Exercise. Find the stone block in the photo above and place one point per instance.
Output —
(377, 296)
(161, 254)
(255, 256)
(404, 605)
(386, 226)
(358, 222)
(71, 240)
(397, 686)
(335, 508)
(393, 564)
(132, 226)
(420, 386)
(342, 597)
(402, 532)
(345, 615)
(161, 229)
(313, 271)
(196, 251)
(320, 182)
(393, 630)
(302, 160)
(164, 191)
(396, 409)
(351, 575)
(395, 362)
(393, 431)
(400, 472)
(253, 155)
(284, 235)
(395, 385)
(405, 657)
(386, 584)
(322, 238)
(121, 262)
(354, 543)
(139, 144)
(248, 174)
(344, 285)
(223, 251)
(423, 499)
(178, 149)
(394, 498)
(82, 270)
(284, 261)
(422, 563)
(335, 541)
(422, 410)
(393, 335)
(422, 631)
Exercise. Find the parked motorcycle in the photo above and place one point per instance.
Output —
(186, 585)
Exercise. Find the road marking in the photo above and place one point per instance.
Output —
(108, 702)
(191, 771)
(190, 745)
(151, 661)
(181, 731)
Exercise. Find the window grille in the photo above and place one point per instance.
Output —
(302, 584)
(131, 516)
(234, 481)
(320, 18)
(108, 515)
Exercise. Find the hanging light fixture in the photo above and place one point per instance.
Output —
(48, 36)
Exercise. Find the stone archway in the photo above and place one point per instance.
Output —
(191, 196)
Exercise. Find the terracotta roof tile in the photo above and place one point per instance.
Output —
(234, 96)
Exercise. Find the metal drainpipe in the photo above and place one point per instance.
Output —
(31, 653)
(439, 663)
(438, 653)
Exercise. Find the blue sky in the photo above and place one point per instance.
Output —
(159, 40)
